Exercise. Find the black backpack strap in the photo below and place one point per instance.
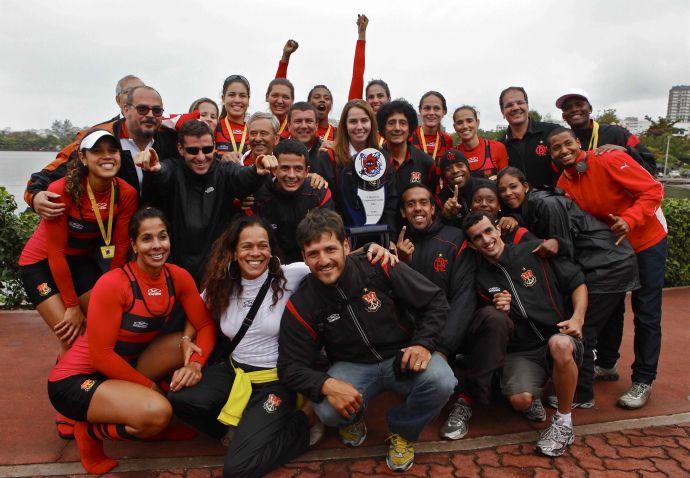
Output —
(247, 322)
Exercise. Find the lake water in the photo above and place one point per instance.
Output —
(17, 166)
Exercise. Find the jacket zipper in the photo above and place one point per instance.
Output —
(358, 325)
(519, 303)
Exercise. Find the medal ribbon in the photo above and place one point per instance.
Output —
(232, 136)
(282, 126)
(422, 141)
(328, 132)
(595, 136)
(96, 212)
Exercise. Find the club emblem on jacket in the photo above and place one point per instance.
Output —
(440, 263)
(527, 277)
(373, 302)
(540, 150)
(415, 177)
(43, 289)
(272, 403)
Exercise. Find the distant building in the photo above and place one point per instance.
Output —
(635, 125)
(679, 104)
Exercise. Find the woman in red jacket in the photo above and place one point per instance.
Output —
(486, 157)
(65, 256)
(231, 134)
(97, 383)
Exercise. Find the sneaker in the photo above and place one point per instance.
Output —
(636, 396)
(456, 425)
(400, 453)
(606, 374)
(316, 433)
(354, 433)
(555, 439)
(535, 412)
(552, 401)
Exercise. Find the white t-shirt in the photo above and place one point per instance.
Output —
(259, 346)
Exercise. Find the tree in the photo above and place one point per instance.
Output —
(661, 127)
(534, 115)
(65, 131)
(607, 116)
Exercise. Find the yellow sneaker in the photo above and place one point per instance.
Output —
(354, 433)
(400, 453)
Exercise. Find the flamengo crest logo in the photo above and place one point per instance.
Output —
(272, 403)
(415, 177)
(527, 277)
(540, 150)
(373, 302)
(440, 263)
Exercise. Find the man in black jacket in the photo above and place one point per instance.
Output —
(533, 291)
(525, 139)
(601, 137)
(380, 327)
(198, 193)
(302, 123)
(140, 129)
(284, 201)
(440, 254)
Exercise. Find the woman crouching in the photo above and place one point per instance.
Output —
(97, 383)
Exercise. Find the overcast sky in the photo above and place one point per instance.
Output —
(61, 59)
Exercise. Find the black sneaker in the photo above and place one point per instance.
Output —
(456, 425)
(535, 412)
(552, 401)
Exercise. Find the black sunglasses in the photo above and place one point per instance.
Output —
(144, 109)
(194, 150)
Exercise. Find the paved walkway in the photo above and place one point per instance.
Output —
(652, 441)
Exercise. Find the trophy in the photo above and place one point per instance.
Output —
(370, 167)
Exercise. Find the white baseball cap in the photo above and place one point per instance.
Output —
(572, 93)
(90, 140)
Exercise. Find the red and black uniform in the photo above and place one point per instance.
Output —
(487, 158)
(127, 310)
(615, 134)
(428, 142)
(418, 167)
(59, 256)
(330, 129)
(530, 154)
(225, 129)
(464, 199)
(284, 210)
(164, 143)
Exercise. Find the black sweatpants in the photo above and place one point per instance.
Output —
(602, 309)
(270, 433)
(486, 343)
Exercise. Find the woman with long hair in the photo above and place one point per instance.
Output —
(65, 256)
(280, 95)
(485, 156)
(357, 132)
(97, 382)
(245, 282)
(231, 133)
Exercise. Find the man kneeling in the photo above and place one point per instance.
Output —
(545, 342)
(379, 327)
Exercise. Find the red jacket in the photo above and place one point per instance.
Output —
(614, 183)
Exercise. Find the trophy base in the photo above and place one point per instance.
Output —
(359, 236)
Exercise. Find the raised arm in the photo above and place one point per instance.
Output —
(290, 47)
(357, 83)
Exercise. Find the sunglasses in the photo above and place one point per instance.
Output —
(194, 150)
(144, 109)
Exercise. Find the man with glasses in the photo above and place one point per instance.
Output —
(525, 139)
(139, 130)
(197, 193)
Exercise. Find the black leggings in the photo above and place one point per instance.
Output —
(270, 433)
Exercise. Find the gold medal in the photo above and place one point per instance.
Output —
(108, 252)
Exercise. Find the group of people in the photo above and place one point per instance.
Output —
(490, 262)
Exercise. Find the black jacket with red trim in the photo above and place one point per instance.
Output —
(583, 239)
(540, 291)
(284, 210)
(367, 316)
(164, 143)
(442, 256)
(418, 167)
(530, 154)
(615, 134)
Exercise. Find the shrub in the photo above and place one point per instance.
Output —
(14, 232)
(677, 212)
